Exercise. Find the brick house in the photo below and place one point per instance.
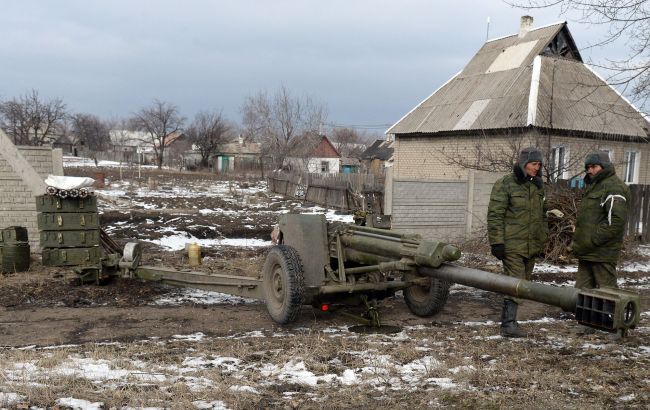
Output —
(527, 89)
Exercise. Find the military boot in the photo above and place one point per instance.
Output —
(509, 326)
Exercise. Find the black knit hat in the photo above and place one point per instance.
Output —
(530, 154)
(597, 158)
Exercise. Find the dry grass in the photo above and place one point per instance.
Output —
(553, 369)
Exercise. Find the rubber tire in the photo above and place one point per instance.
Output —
(284, 283)
(426, 301)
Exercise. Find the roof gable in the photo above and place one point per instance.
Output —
(313, 146)
(538, 79)
(380, 149)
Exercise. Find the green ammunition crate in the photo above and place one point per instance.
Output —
(71, 256)
(68, 221)
(13, 235)
(14, 258)
(69, 239)
(48, 203)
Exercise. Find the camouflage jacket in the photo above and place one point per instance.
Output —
(601, 218)
(516, 214)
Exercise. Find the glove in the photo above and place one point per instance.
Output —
(498, 251)
(556, 213)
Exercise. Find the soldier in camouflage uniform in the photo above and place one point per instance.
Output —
(600, 227)
(517, 227)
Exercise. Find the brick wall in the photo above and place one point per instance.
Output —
(433, 157)
(17, 204)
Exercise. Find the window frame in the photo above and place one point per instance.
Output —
(634, 178)
(554, 166)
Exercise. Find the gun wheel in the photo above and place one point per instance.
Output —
(427, 300)
(284, 286)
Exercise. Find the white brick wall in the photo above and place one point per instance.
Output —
(17, 204)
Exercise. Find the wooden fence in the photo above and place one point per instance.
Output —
(341, 191)
(638, 221)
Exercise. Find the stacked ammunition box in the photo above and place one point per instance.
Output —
(14, 250)
(69, 228)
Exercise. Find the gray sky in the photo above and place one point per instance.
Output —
(369, 62)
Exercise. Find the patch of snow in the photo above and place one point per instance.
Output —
(628, 397)
(10, 398)
(194, 337)
(442, 382)
(244, 389)
(79, 404)
(178, 241)
(179, 296)
(548, 268)
(210, 405)
(593, 346)
(459, 369)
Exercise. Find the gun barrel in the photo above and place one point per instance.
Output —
(371, 246)
(562, 297)
(607, 309)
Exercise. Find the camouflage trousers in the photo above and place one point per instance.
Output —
(596, 275)
(519, 267)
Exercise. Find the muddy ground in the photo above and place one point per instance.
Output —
(47, 307)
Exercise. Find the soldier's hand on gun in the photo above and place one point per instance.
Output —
(498, 251)
(556, 213)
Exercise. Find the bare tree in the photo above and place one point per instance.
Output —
(349, 142)
(30, 120)
(91, 131)
(207, 132)
(276, 120)
(627, 20)
(158, 120)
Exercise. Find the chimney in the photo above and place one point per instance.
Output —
(525, 25)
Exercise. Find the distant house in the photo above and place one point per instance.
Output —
(378, 156)
(176, 143)
(67, 145)
(315, 154)
(137, 146)
(130, 146)
(350, 165)
(238, 155)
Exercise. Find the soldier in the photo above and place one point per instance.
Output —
(517, 227)
(600, 227)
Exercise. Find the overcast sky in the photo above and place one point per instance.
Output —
(368, 61)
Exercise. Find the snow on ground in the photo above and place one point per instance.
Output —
(177, 241)
(178, 296)
(71, 162)
(370, 368)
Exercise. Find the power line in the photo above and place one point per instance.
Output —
(363, 126)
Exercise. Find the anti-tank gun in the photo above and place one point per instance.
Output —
(322, 264)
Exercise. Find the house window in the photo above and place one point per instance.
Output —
(558, 165)
(631, 167)
(324, 167)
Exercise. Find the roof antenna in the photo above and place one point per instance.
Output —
(487, 32)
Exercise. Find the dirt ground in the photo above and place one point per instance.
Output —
(46, 306)
(554, 368)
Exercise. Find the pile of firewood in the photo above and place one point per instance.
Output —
(560, 230)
